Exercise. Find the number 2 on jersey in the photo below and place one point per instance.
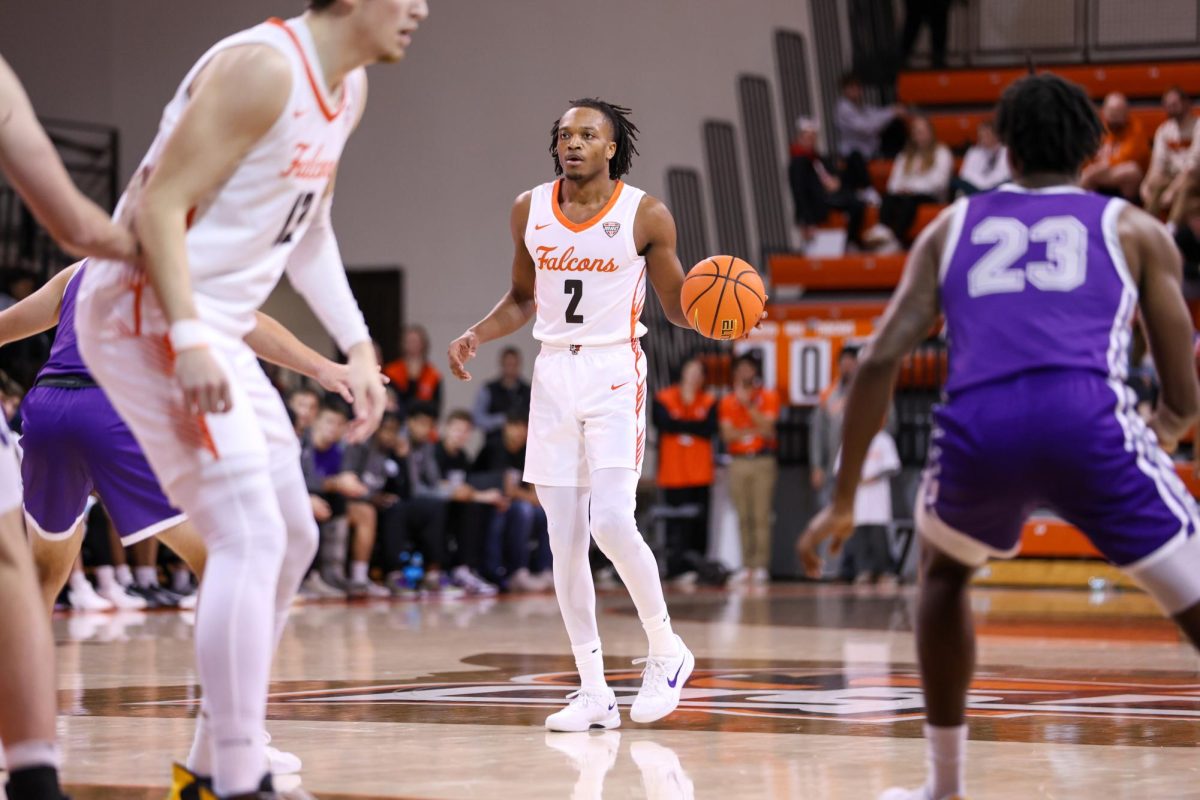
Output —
(295, 217)
(1064, 269)
(575, 289)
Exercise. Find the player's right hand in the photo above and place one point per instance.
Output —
(461, 351)
(205, 385)
(831, 522)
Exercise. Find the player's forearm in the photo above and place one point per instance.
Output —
(319, 276)
(36, 313)
(509, 316)
(274, 343)
(866, 407)
(162, 228)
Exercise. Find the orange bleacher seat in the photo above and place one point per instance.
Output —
(848, 273)
(962, 87)
(957, 129)
(1049, 537)
(805, 310)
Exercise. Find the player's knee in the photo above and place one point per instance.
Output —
(615, 531)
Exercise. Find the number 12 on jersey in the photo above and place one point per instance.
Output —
(295, 217)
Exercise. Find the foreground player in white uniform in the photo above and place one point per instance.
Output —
(585, 246)
(27, 691)
(238, 191)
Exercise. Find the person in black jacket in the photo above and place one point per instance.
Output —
(507, 394)
(819, 186)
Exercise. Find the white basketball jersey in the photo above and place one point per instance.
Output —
(239, 239)
(591, 282)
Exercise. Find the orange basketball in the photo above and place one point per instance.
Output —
(723, 297)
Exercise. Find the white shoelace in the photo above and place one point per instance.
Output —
(585, 698)
(654, 674)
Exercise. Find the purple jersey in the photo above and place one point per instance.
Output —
(64, 355)
(1035, 280)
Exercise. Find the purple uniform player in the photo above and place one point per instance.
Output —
(74, 442)
(1039, 283)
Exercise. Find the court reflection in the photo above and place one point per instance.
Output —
(594, 755)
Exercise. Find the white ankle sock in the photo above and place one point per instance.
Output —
(124, 575)
(79, 582)
(589, 660)
(106, 578)
(181, 580)
(28, 755)
(663, 641)
(358, 571)
(146, 577)
(946, 754)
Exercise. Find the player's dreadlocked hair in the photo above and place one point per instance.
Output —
(1048, 124)
(624, 134)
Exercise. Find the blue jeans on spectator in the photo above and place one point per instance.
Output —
(517, 538)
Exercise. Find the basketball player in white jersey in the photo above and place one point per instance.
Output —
(238, 188)
(585, 247)
(27, 690)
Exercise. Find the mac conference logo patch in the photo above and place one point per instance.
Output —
(612, 228)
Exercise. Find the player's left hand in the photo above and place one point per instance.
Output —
(832, 523)
(461, 351)
(367, 396)
(335, 377)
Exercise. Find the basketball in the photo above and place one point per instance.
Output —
(723, 297)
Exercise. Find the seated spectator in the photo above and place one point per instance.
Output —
(441, 470)
(322, 457)
(507, 394)
(21, 284)
(985, 165)
(1120, 163)
(860, 129)
(408, 521)
(686, 418)
(517, 549)
(747, 417)
(414, 379)
(920, 174)
(1173, 142)
(867, 556)
(818, 186)
(304, 402)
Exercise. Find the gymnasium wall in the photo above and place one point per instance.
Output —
(453, 133)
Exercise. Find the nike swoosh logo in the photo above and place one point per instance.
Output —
(614, 705)
(539, 227)
(675, 680)
(619, 385)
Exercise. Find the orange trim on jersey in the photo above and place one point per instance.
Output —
(138, 286)
(185, 420)
(312, 78)
(580, 227)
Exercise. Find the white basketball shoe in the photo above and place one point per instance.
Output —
(662, 684)
(589, 708)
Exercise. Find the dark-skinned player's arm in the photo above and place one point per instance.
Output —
(1158, 269)
(515, 308)
(234, 102)
(908, 319)
(36, 313)
(274, 343)
(28, 158)
(655, 227)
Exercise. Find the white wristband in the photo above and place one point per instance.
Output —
(188, 334)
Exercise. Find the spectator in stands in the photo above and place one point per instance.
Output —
(1170, 157)
(505, 395)
(867, 556)
(920, 174)
(425, 500)
(860, 129)
(825, 427)
(21, 284)
(935, 14)
(470, 508)
(304, 402)
(413, 377)
(322, 457)
(985, 165)
(747, 417)
(517, 549)
(686, 418)
(1120, 163)
(818, 186)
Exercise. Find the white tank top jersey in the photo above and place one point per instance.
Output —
(239, 239)
(591, 282)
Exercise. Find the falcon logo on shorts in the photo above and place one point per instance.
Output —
(612, 228)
